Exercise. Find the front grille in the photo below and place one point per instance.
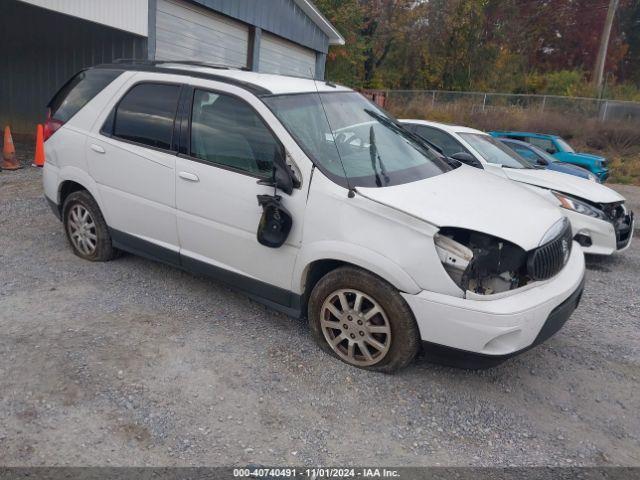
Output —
(547, 260)
(622, 221)
(623, 228)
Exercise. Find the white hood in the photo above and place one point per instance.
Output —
(561, 182)
(475, 200)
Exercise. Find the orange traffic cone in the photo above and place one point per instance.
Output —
(38, 160)
(9, 161)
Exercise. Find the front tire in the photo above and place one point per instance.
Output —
(86, 229)
(362, 320)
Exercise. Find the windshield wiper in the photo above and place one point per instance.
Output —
(373, 154)
(398, 128)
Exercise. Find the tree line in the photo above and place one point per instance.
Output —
(517, 46)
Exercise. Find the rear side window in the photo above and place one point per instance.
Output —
(78, 91)
(146, 115)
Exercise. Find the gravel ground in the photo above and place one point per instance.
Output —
(135, 363)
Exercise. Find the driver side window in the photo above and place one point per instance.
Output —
(227, 132)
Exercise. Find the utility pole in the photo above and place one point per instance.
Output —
(598, 73)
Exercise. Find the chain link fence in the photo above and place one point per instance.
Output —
(403, 100)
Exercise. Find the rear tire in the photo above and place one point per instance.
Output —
(362, 320)
(86, 229)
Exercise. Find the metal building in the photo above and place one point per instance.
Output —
(44, 42)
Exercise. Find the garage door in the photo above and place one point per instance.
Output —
(281, 56)
(187, 32)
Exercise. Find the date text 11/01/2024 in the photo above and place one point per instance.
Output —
(315, 473)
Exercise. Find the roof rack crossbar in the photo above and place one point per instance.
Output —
(194, 63)
(158, 67)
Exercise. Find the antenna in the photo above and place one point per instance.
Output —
(335, 143)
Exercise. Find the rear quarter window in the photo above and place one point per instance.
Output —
(78, 91)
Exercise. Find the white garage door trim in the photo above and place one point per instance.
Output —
(187, 32)
(278, 55)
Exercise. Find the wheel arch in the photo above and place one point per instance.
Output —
(66, 188)
(72, 179)
(328, 256)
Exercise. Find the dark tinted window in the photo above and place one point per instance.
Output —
(77, 92)
(146, 115)
(440, 139)
(227, 131)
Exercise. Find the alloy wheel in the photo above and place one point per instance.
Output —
(82, 230)
(356, 327)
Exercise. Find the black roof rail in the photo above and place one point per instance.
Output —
(193, 63)
(157, 67)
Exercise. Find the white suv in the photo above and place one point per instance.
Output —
(312, 200)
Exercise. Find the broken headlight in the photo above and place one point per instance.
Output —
(577, 205)
(481, 263)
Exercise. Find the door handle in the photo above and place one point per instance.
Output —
(98, 149)
(191, 177)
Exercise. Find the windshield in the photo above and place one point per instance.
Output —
(564, 146)
(360, 145)
(494, 151)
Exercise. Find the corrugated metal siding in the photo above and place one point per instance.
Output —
(187, 32)
(281, 56)
(128, 15)
(281, 17)
(41, 54)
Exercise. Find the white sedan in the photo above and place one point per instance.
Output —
(600, 220)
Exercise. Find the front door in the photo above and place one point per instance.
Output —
(229, 148)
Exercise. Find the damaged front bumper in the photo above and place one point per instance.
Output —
(502, 327)
(601, 237)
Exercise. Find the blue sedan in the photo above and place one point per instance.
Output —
(537, 156)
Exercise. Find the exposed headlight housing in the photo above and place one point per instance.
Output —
(481, 263)
(577, 205)
(454, 256)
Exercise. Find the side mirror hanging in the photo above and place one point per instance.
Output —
(275, 223)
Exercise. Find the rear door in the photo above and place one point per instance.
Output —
(132, 158)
